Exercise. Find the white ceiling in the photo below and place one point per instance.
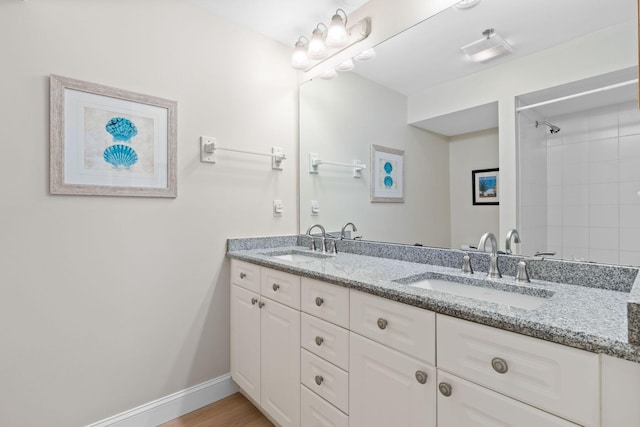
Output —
(281, 20)
(429, 54)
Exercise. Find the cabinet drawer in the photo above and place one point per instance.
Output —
(550, 376)
(246, 275)
(470, 405)
(326, 340)
(408, 329)
(326, 301)
(316, 412)
(281, 287)
(325, 379)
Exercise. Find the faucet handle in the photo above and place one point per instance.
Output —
(466, 264)
(521, 274)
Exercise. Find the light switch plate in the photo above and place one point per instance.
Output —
(315, 207)
(278, 208)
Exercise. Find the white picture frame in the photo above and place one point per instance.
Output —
(387, 174)
(111, 142)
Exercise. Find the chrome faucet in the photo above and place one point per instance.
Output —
(511, 235)
(322, 238)
(494, 272)
(344, 229)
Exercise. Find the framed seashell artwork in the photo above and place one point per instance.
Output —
(387, 174)
(111, 142)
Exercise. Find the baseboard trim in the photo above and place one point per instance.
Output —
(173, 406)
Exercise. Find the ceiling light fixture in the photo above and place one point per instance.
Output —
(337, 34)
(300, 59)
(489, 47)
(327, 42)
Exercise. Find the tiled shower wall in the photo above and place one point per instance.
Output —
(592, 185)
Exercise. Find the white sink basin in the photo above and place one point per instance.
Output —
(505, 297)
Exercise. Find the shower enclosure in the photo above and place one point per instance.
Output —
(579, 170)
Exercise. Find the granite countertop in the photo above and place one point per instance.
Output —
(584, 317)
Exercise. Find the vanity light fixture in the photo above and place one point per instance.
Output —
(489, 47)
(300, 59)
(337, 34)
(366, 55)
(466, 4)
(345, 66)
(328, 75)
(326, 42)
(317, 46)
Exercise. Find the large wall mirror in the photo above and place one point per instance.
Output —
(451, 116)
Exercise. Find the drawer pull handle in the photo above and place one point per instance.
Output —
(243, 275)
(275, 287)
(421, 376)
(499, 365)
(445, 389)
(319, 301)
(382, 323)
(261, 304)
(319, 341)
(254, 301)
(319, 379)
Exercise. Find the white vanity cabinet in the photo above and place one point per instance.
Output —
(561, 380)
(265, 341)
(392, 353)
(314, 354)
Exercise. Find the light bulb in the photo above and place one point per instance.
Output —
(299, 59)
(365, 55)
(327, 75)
(337, 34)
(317, 47)
(345, 66)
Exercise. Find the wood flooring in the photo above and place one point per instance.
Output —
(232, 411)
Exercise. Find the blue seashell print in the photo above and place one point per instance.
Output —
(120, 155)
(121, 129)
(388, 181)
(388, 167)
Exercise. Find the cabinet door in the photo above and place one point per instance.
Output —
(280, 351)
(384, 390)
(245, 340)
(470, 405)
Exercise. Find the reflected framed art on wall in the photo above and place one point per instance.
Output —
(387, 174)
(485, 186)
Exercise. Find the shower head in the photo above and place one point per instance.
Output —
(552, 128)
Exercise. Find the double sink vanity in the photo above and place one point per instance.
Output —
(382, 334)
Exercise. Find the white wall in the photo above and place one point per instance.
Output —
(597, 53)
(111, 302)
(467, 152)
(594, 177)
(340, 119)
(532, 185)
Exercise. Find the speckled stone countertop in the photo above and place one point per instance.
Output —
(588, 317)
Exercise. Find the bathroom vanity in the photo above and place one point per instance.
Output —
(373, 336)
